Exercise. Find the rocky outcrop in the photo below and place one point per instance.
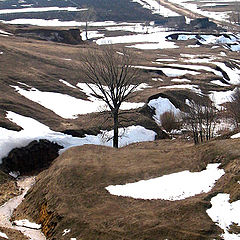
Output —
(71, 36)
(36, 156)
(48, 220)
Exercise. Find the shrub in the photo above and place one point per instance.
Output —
(169, 121)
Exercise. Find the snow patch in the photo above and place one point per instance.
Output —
(224, 214)
(156, 8)
(157, 40)
(66, 83)
(27, 224)
(175, 186)
(221, 97)
(67, 106)
(41, 9)
(66, 231)
(91, 34)
(3, 235)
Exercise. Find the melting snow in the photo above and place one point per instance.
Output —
(224, 214)
(161, 105)
(158, 40)
(233, 74)
(193, 7)
(7, 209)
(156, 8)
(3, 235)
(41, 9)
(91, 34)
(66, 83)
(172, 72)
(5, 33)
(34, 130)
(237, 135)
(218, 82)
(193, 88)
(175, 186)
(220, 97)
(180, 80)
(197, 67)
(67, 106)
(27, 224)
(66, 231)
(57, 22)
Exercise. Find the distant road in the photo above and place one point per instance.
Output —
(188, 13)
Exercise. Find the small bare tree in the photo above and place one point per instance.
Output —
(87, 15)
(112, 79)
(201, 117)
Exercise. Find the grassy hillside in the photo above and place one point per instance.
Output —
(71, 193)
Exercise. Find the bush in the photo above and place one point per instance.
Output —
(169, 121)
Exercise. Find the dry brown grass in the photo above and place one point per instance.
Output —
(74, 190)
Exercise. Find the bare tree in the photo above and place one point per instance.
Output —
(87, 15)
(201, 117)
(112, 78)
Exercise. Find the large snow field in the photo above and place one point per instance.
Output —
(224, 214)
(34, 130)
(67, 106)
(175, 186)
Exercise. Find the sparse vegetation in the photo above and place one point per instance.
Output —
(201, 118)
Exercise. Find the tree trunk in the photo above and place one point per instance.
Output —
(115, 130)
(86, 29)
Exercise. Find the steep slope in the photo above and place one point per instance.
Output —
(71, 194)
